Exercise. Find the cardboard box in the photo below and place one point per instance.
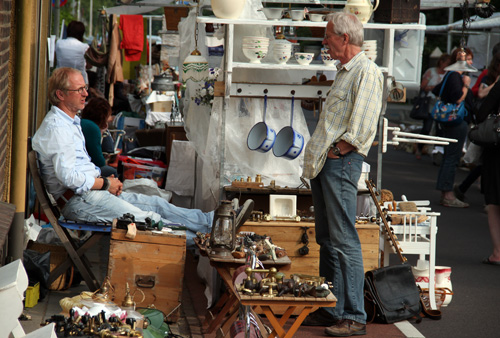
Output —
(152, 264)
(397, 11)
(162, 106)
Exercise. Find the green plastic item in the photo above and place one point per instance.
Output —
(157, 328)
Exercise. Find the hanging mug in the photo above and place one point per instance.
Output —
(261, 137)
(289, 143)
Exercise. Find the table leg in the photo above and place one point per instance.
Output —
(220, 316)
(278, 326)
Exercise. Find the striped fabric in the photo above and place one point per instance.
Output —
(350, 113)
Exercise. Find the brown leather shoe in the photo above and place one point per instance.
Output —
(346, 328)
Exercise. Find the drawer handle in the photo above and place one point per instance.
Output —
(143, 281)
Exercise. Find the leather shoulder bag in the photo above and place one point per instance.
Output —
(391, 293)
(487, 133)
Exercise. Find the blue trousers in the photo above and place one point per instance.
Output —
(452, 155)
(101, 206)
(334, 193)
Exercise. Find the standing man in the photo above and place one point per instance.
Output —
(332, 161)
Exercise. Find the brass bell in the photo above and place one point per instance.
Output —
(128, 301)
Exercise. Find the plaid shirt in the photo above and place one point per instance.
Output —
(351, 112)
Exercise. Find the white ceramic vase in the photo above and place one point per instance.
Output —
(443, 280)
(228, 9)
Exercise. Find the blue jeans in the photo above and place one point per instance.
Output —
(101, 206)
(334, 193)
(452, 155)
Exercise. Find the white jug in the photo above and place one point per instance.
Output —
(363, 9)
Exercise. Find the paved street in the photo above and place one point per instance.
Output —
(462, 243)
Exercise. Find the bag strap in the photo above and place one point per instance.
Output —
(444, 82)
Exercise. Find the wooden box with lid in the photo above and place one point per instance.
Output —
(288, 235)
(152, 263)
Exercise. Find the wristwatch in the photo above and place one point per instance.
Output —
(336, 151)
(105, 184)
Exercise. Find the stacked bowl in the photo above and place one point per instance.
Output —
(282, 51)
(255, 48)
(327, 59)
(370, 48)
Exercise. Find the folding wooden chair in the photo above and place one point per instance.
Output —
(76, 251)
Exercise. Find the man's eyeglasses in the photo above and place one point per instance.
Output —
(79, 90)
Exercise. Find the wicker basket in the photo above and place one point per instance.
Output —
(57, 255)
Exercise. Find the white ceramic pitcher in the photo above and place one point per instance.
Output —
(363, 9)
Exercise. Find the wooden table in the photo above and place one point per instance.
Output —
(228, 306)
(303, 304)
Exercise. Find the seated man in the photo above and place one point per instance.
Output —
(76, 183)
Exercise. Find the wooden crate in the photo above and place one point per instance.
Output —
(150, 256)
(288, 236)
(397, 11)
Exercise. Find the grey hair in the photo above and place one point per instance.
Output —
(347, 23)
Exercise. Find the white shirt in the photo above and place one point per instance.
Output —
(64, 161)
(70, 53)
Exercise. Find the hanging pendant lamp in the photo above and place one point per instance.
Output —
(195, 66)
(461, 65)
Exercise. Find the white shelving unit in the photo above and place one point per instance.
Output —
(386, 66)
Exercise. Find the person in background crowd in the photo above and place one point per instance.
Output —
(76, 183)
(70, 51)
(475, 88)
(487, 82)
(333, 160)
(456, 90)
(94, 122)
(490, 176)
(430, 79)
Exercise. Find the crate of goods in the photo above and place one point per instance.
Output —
(143, 168)
(398, 11)
(152, 263)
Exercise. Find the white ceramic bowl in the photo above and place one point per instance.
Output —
(255, 54)
(228, 9)
(282, 47)
(327, 59)
(304, 58)
(255, 45)
(316, 50)
(282, 56)
(316, 17)
(255, 39)
(297, 14)
(273, 13)
(370, 42)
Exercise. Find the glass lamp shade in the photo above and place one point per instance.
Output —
(461, 66)
(195, 67)
(223, 235)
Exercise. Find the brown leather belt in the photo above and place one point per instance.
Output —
(61, 201)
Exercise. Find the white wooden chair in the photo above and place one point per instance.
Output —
(416, 238)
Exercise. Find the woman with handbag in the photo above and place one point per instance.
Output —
(490, 176)
(430, 79)
(455, 90)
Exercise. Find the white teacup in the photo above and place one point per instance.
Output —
(297, 14)
(316, 17)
